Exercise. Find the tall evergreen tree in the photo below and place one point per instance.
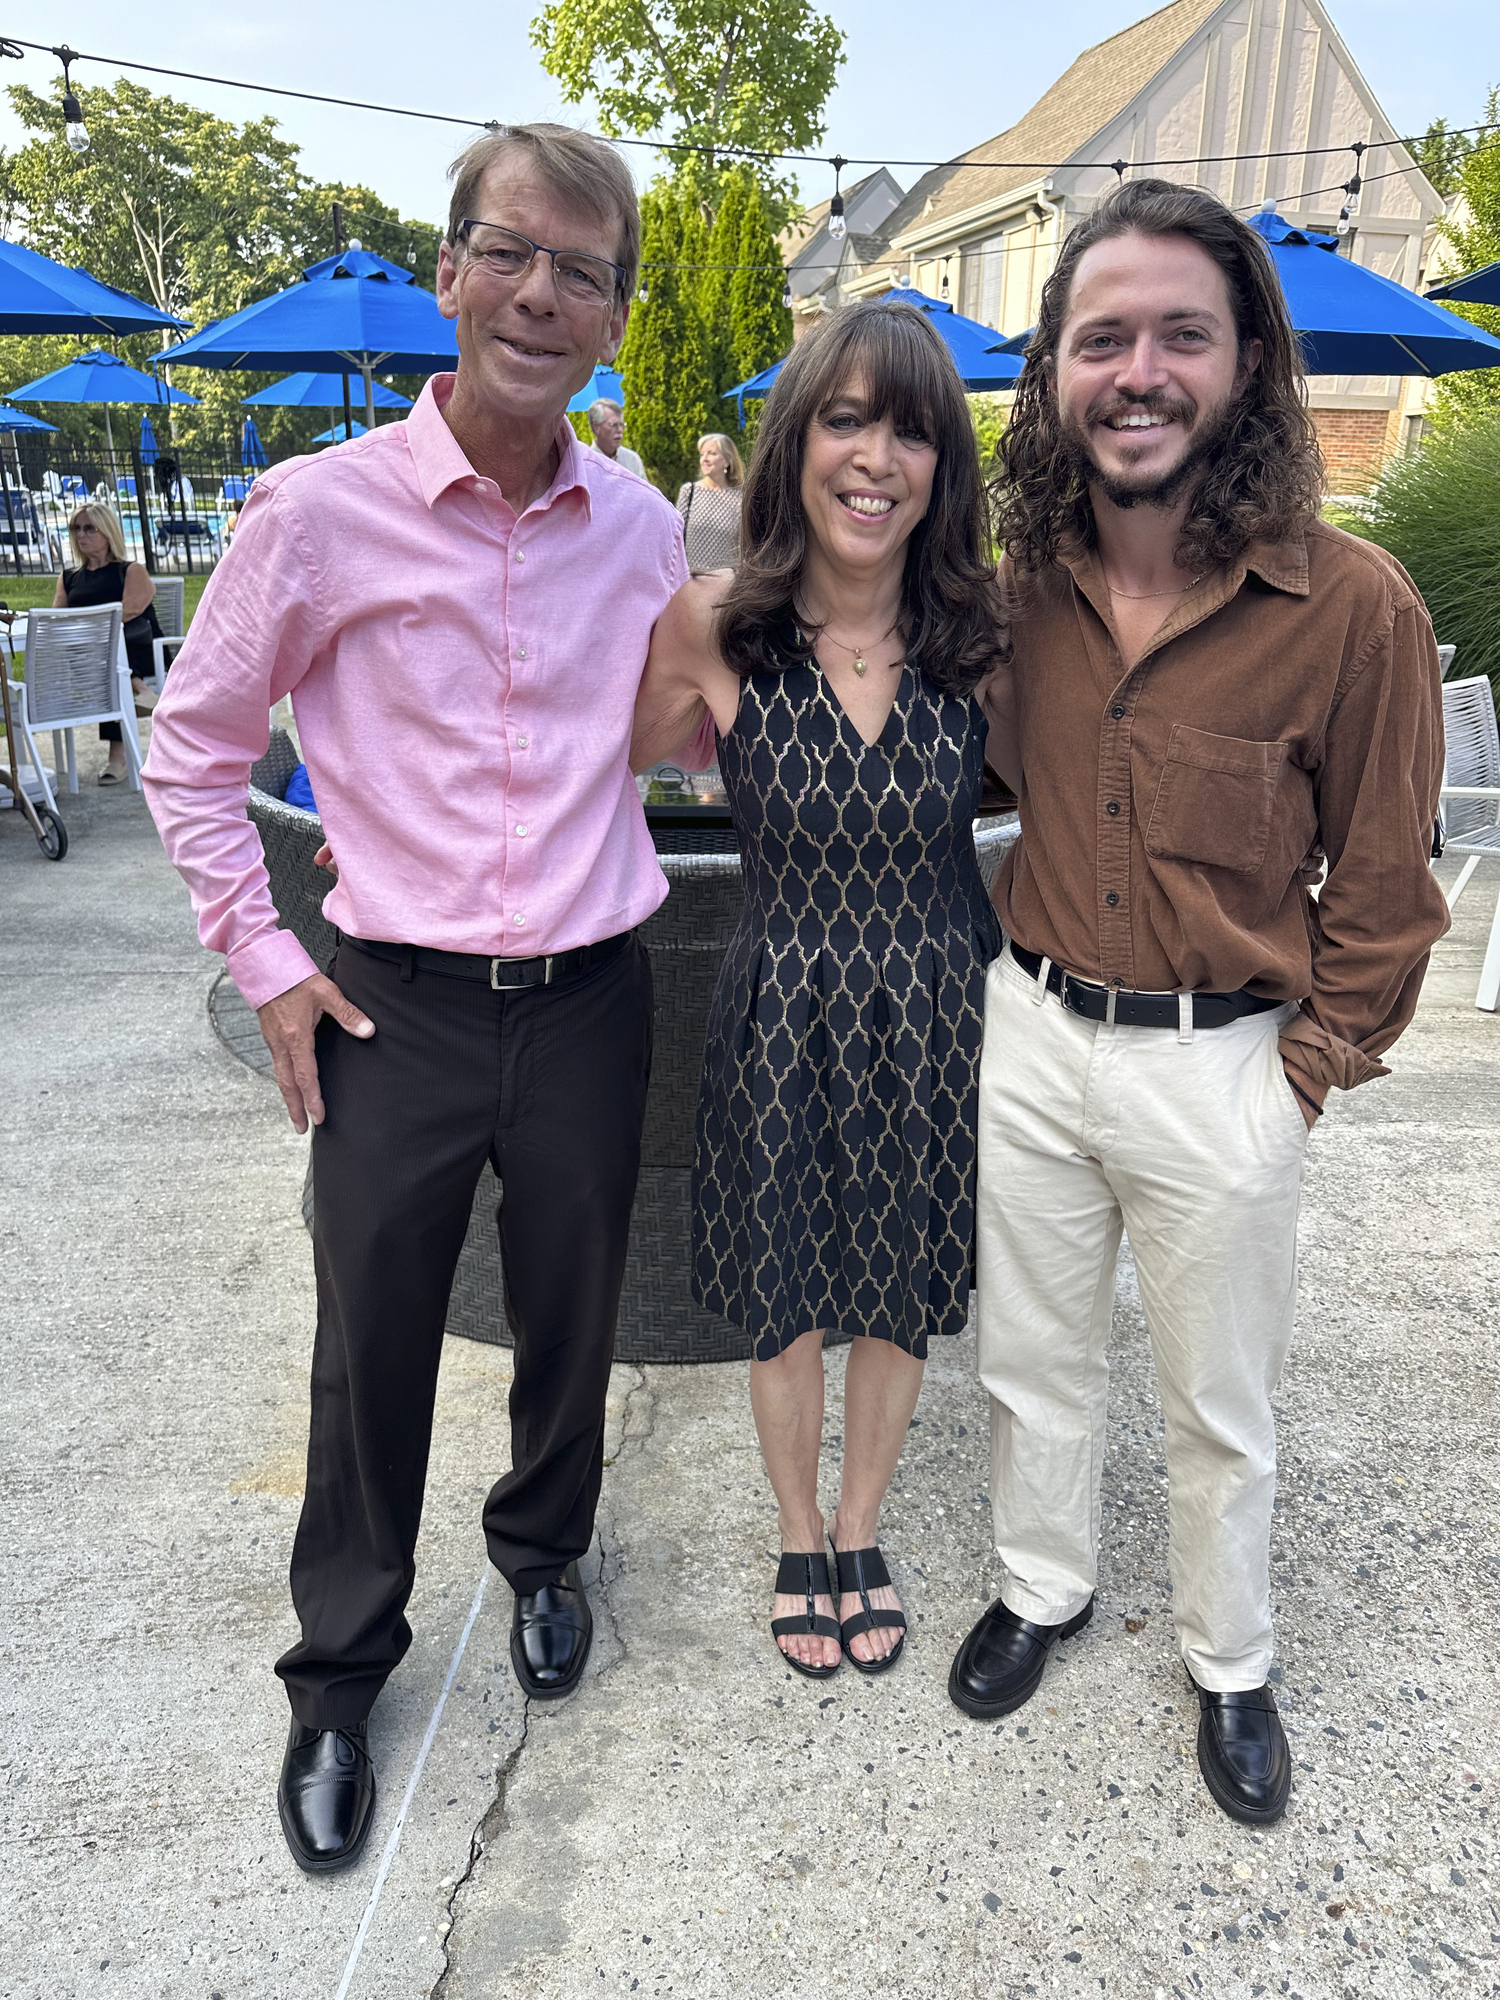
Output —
(716, 292)
(760, 323)
(665, 360)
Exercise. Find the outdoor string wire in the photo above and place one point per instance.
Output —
(11, 44)
(394, 1840)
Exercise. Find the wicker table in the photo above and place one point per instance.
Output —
(686, 939)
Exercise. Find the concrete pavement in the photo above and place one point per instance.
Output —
(696, 1821)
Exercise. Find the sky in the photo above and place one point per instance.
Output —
(905, 92)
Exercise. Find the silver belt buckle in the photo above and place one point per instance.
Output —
(515, 985)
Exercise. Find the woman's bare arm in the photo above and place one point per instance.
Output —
(59, 597)
(685, 680)
(140, 588)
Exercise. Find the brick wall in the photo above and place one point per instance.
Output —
(1354, 444)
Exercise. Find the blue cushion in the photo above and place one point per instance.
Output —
(299, 791)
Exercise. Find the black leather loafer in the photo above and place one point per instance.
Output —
(1000, 1664)
(551, 1631)
(1243, 1755)
(326, 1796)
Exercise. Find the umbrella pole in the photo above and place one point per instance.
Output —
(348, 421)
(109, 444)
(369, 396)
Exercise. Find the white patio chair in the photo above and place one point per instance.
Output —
(168, 602)
(76, 673)
(1470, 805)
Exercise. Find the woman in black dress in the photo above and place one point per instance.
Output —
(834, 1182)
(102, 573)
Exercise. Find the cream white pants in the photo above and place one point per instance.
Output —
(1193, 1142)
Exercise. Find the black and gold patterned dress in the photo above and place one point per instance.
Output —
(835, 1164)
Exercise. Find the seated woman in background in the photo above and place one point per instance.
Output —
(104, 574)
(710, 506)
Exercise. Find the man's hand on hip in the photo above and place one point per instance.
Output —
(288, 1022)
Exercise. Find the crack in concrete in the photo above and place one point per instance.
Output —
(490, 1824)
(637, 1424)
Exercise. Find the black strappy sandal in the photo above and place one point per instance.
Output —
(798, 1573)
(864, 1570)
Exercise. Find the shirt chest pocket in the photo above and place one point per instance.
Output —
(1214, 800)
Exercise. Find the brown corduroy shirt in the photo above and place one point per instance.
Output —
(1173, 816)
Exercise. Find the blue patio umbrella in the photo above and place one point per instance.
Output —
(1477, 288)
(149, 452)
(307, 391)
(40, 296)
(1354, 322)
(354, 312)
(337, 436)
(21, 420)
(252, 451)
(754, 386)
(603, 384)
(99, 377)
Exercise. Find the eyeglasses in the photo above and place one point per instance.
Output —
(85, 528)
(505, 254)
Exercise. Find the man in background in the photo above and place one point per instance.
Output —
(607, 422)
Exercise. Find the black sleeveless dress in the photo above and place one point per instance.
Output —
(835, 1160)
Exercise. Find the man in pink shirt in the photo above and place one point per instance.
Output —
(459, 606)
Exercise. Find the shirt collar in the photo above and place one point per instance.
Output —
(440, 462)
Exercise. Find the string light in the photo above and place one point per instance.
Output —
(75, 132)
(838, 229)
(1352, 187)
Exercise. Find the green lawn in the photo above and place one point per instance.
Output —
(25, 593)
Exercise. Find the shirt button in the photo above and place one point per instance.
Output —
(520, 555)
(520, 652)
(522, 831)
(518, 918)
(1113, 807)
(523, 742)
(481, 486)
(1112, 898)
(1117, 712)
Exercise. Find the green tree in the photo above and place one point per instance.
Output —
(1473, 231)
(192, 212)
(731, 73)
(760, 321)
(665, 359)
(716, 286)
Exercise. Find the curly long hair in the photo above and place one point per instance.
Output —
(952, 615)
(1263, 479)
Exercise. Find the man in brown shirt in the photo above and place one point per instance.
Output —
(1213, 693)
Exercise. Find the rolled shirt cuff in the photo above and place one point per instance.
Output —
(1319, 1061)
(266, 966)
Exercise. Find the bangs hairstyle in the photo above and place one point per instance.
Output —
(1266, 478)
(580, 170)
(951, 612)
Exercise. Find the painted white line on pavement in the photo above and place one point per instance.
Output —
(411, 1791)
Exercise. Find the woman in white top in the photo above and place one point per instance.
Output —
(710, 506)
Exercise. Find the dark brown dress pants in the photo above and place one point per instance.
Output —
(549, 1083)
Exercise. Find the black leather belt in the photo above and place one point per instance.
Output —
(1140, 1010)
(504, 975)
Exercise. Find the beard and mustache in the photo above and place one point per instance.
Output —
(1206, 433)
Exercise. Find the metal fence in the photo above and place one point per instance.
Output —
(177, 511)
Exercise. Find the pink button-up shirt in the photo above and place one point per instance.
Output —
(463, 680)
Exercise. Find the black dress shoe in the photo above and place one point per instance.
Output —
(326, 1797)
(551, 1631)
(1000, 1664)
(1242, 1753)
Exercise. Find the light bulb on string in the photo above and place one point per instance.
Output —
(943, 292)
(838, 228)
(411, 250)
(642, 295)
(786, 298)
(75, 132)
